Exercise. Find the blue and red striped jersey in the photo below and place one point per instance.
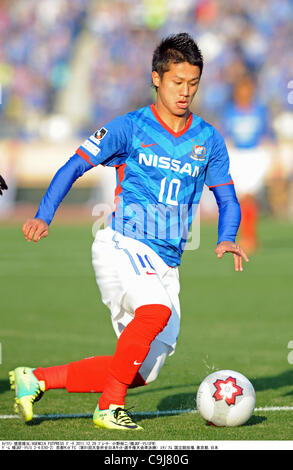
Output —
(160, 175)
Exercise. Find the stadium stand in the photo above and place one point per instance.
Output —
(69, 66)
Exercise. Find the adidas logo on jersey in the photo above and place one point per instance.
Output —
(168, 163)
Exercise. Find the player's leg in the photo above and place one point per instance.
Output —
(85, 376)
(131, 351)
(88, 374)
(141, 295)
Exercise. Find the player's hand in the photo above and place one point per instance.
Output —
(35, 229)
(238, 253)
(3, 185)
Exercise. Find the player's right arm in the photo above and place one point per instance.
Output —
(38, 227)
(108, 146)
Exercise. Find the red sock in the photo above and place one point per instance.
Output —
(90, 374)
(54, 377)
(87, 375)
(132, 348)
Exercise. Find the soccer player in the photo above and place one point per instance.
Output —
(163, 155)
(249, 139)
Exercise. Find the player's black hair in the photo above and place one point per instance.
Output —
(175, 49)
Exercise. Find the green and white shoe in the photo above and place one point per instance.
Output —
(116, 417)
(28, 390)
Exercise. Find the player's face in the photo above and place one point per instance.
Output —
(177, 87)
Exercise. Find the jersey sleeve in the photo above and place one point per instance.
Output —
(229, 212)
(73, 169)
(218, 168)
(108, 145)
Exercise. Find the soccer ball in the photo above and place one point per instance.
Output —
(226, 398)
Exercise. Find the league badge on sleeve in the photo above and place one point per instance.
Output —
(100, 134)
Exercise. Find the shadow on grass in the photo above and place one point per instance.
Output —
(4, 385)
(180, 401)
(254, 420)
(273, 382)
(37, 420)
(152, 388)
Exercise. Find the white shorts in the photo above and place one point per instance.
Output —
(129, 275)
(248, 168)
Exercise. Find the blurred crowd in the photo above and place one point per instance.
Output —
(38, 40)
(236, 36)
(44, 44)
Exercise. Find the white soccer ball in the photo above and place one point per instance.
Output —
(226, 398)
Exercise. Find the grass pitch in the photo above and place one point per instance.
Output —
(51, 313)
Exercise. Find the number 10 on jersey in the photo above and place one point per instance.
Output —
(169, 191)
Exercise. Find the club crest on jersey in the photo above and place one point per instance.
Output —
(198, 152)
(100, 134)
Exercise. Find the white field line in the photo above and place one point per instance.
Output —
(143, 413)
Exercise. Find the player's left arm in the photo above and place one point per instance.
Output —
(229, 221)
(218, 179)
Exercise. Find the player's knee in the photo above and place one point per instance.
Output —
(154, 361)
(154, 317)
(152, 375)
(165, 313)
